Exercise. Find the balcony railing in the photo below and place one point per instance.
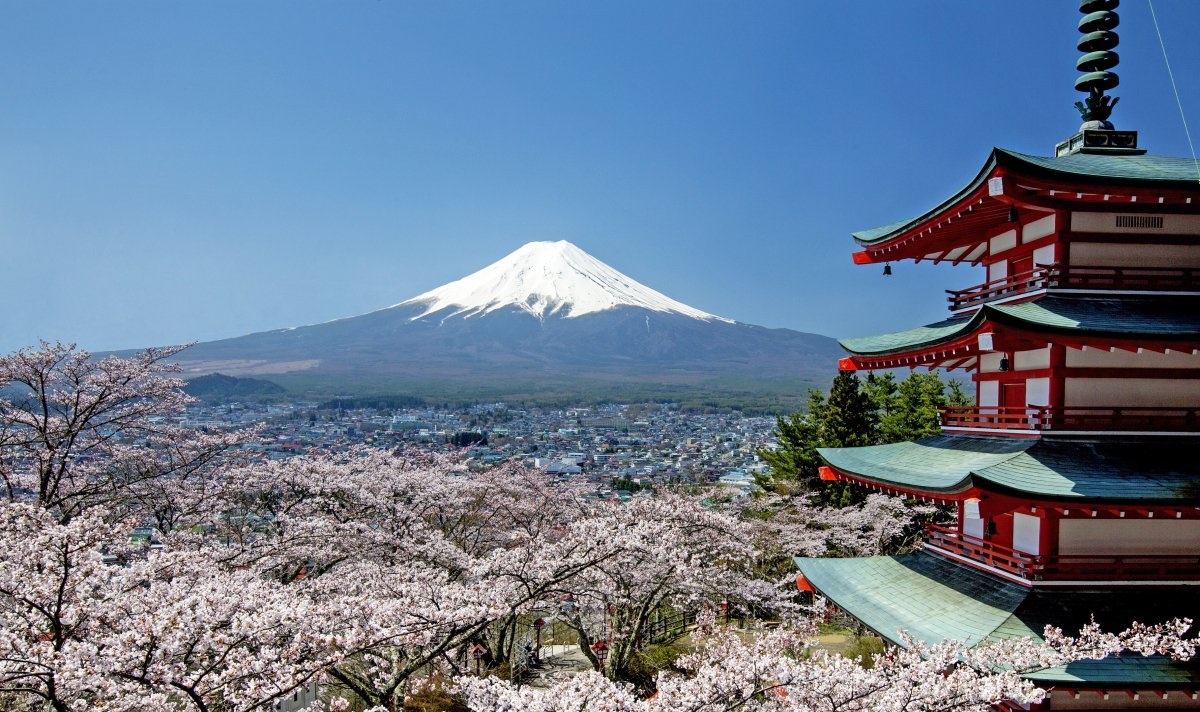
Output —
(1131, 279)
(1064, 567)
(1091, 419)
(1038, 278)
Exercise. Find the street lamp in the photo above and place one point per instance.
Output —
(537, 626)
(600, 650)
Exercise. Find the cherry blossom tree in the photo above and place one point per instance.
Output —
(670, 553)
(373, 572)
(780, 671)
(783, 527)
(78, 432)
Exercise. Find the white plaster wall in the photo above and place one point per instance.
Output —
(990, 362)
(1043, 255)
(1004, 241)
(1025, 533)
(1037, 391)
(1037, 229)
(997, 270)
(1106, 222)
(1128, 359)
(1128, 536)
(1131, 392)
(1103, 254)
(989, 393)
(1038, 358)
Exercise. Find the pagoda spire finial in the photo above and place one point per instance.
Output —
(1097, 42)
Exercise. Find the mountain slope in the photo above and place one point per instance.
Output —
(548, 317)
(548, 279)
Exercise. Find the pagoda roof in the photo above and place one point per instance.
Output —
(957, 228)
(934, 599)
(1124, 317)
(1128, 470)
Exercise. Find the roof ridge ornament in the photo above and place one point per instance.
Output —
(1098, 39)
(1097, 134)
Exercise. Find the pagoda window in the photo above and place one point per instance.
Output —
(1138, 225)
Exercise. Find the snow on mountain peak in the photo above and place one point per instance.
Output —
(545, 279)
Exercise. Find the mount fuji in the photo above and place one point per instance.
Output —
(547, 322)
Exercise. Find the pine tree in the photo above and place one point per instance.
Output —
(799, 436)
(849, 418)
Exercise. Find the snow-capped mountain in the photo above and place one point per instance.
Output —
(548, 279)
(547, 321)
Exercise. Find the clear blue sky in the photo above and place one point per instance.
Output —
(175, 171)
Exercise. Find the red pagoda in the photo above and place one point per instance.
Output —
(1076, 476)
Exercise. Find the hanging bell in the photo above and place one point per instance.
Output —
(887, 270)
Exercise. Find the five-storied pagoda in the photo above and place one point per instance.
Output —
(1077, 474)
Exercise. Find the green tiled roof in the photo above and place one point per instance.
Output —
(1113, 471)
(1086, 166)
(1157, 317)
(943, 463)
(928, 335)
(1134, 470)
(934, 599)
(926, 596)
(1108, 167)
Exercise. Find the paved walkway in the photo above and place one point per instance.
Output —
(557, 660)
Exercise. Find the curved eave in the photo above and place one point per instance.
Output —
(957, 229)
(948, 344)
(939, 467)
(1131, 324)
(933, 599)
(948, 468)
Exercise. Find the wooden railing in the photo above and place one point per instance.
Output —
(1096, 419)
(984, 552)
(1149, 279)
(1038, 278)
(1133, 279)
(1065, 567)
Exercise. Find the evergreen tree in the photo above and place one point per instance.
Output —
(849, 418)
(858, 412)
(799, 436)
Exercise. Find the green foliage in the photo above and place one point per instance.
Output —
(799, 436)
(849, 418)
(627, 485)
(645, 664)
(219, 388)
(858, 412)
(865, 648)
(910, 409)
(468, 438)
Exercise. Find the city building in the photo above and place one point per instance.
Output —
(1076, 476)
